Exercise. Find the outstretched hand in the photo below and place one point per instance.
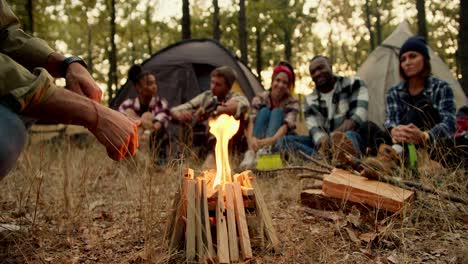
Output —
(118, 133)
(80, 81)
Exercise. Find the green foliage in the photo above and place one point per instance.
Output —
(287, 29)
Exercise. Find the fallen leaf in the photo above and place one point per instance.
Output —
(393, 258)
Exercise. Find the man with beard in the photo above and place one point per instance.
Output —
(334, 111)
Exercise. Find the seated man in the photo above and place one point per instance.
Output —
(150, 109)
(218, 100)
(338, 104)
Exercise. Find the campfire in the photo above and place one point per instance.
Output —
(217, 216)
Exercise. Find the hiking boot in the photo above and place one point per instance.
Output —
(386, 160)
(249, 160)
(340, 147)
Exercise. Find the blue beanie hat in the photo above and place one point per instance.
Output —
(416, 43)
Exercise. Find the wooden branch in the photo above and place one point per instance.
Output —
(242, 227)
(316, 162)
(190, 231)
(265, 217)
(299, 168)
(312, 176)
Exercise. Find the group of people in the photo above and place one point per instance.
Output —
(420, 109)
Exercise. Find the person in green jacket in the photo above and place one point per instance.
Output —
(28, 67)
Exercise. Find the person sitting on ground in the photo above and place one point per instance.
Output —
(333, 112)
(420, 110)
(150, 109)
(273, 114)
(27, 68)
(225, 102)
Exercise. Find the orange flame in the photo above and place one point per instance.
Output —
(223, 128)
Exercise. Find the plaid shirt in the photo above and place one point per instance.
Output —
(290, 107)
(441, 95)
(350, 99)
(158, 106)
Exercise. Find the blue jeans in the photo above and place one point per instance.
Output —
(267, 122)
(12, 139)
(293, 144)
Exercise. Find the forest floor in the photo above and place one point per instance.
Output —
(68, 203)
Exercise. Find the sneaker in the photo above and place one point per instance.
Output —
(264, 151)
(341, 145)
(249, 160)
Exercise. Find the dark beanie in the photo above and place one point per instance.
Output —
(416, 43)
(227, 72)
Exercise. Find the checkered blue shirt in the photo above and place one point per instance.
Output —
(351, 101)
(441, 95)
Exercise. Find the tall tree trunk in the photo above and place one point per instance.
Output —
(420, 6)
(243, 32)
(112, 54)
(29, 27)
(147, 29)
(378, 26)
(258, 53)
(89, 42)
(462, 47)
(216, 22)
(90, 50)
(186, 33)
(369, 26)
(287, 44)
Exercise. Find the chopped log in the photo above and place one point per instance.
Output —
(244, 239)
(371, 173)
(265, 217)
(243, 178)
(210, 254)
(231, 223)
(247, 191)
(172, 217)
(349, 187)
(221, 231)
(199, 224)
(179, 223)
(190, 232)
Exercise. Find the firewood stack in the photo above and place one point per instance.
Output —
(219, 225)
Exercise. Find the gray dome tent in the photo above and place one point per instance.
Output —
(183, 71)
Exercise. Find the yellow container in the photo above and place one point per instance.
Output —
(269, 162)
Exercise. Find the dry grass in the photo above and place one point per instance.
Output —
(74, 205)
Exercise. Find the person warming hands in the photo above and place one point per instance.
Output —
(28, 67)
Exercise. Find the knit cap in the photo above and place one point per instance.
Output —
(415, 43)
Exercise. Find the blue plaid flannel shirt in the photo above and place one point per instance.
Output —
(441, 95)
(351, 100)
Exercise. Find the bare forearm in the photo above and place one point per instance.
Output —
(66, 107)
